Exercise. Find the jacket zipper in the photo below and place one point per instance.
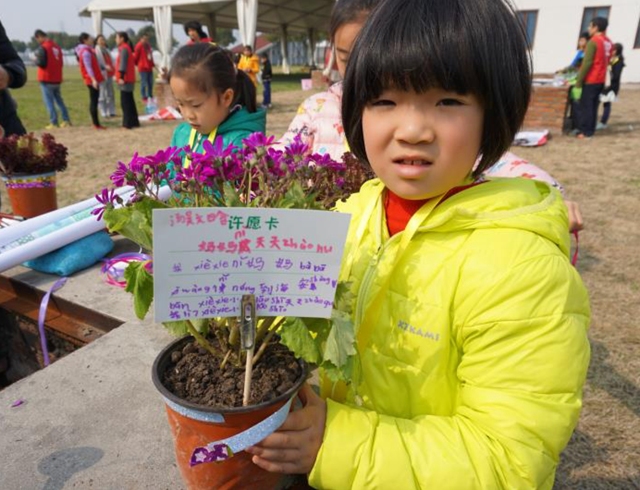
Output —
(368, 279)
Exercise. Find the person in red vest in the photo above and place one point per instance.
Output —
(48, 59)
(126, 78)
(143, 59)
(107, 100)
(91, 74)
(591, 77)
(196, 34)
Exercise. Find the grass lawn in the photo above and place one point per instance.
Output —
(34, 115)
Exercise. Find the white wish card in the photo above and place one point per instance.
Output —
(205, 259)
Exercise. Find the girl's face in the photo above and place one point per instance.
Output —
(193, 34)
(102, 41)
(204, 112)
(582, 43)
(422, 145)
(118, 39)
(343, 41)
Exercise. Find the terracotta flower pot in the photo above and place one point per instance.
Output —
(195, 426)
(32, 194)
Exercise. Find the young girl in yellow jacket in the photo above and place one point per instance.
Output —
(471, 323)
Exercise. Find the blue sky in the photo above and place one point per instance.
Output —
(22, 17)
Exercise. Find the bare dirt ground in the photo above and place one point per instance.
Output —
(602, 174)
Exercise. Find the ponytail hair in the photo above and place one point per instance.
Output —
(245, 92)
(209, 68)
(125, 37)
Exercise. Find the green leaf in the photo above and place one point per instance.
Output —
(135, 221)
(231, 197)
(179, 328)
(140, 284)
(341, 340)
(348, 372)
(295, 335)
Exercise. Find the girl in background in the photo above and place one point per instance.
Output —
(318, 121)
(196, 33)
(126, 78)
(91, 74)
(267, 74)
(215, 99)
(106, 99)
(471, 324)
(615, 68)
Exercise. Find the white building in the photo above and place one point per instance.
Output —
(554, 26)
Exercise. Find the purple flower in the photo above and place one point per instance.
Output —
(120, 176)
(107, 197)
(217, 149)
(297, 148)
(258, 140)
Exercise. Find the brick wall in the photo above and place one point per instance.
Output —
(547, 108)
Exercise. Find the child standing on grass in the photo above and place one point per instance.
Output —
(215, 99)
(471, 323)
(318, 122)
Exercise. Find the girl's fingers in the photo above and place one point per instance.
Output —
(285, 467)
(275, 455)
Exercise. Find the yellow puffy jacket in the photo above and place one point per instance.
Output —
(473, 341)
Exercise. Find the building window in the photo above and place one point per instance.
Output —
(592, 12)
(529, 19)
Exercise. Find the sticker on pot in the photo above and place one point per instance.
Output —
(206, 259)
(211, 454)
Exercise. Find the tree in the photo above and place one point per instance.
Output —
(19, 46)
(224, 37)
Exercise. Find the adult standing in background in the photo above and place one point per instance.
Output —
(592, 76)
(106, 100)
(91, 74)
(49, 62)
(196, 34)
(12, 75)
(250, 64)
(126, 78)
(143, 59)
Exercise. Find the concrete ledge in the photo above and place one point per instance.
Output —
(91, 420)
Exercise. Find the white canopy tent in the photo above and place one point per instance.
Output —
(248, 16)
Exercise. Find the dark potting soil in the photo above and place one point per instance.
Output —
(194, 375)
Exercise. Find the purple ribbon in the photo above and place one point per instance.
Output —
(115, 276)
(43, 313)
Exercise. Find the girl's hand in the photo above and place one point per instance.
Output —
(293, 448)
(575, 217)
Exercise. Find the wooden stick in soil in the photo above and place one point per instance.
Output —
(248, 340)
(248, 371)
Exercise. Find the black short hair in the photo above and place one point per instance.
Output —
(210, 68)
(83, 37)
(196, 26)
(465, 46)
(348, 11)
(40, 33)
(601, 23)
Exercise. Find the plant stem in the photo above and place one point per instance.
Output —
(263, 347)
(234, 334)
(226, 358)
(200, 339)
(263, 327)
